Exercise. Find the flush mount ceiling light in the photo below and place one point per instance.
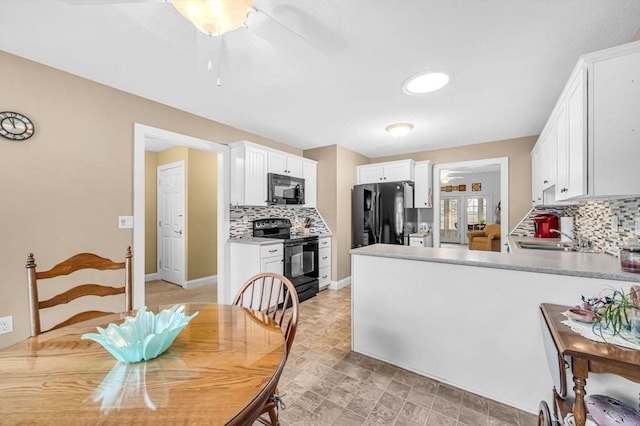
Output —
(425, 82)
(398, 130)
(214, 17)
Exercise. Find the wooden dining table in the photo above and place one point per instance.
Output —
(222, 366)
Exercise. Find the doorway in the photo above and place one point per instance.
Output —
(450, 219)
(148, 138)
(501, 164)
(477, 214)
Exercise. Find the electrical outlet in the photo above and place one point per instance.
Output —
(6, 324)
(614, 223)
(125, 222)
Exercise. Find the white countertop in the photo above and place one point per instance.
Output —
(255, 240)
(420, 234)
(265, 241)
(592, 265)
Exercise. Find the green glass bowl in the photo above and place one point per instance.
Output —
(144, 336)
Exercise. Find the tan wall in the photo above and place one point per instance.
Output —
(202, 216)
(346, 171)
(326, 190)
(150, 212)
(63, 189)
(336, 176)
(517, 150)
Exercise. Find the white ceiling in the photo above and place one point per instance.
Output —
(508, 60)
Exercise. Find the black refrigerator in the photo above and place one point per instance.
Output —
(382, 213)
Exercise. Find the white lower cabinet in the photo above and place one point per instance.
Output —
(248, 260)
(421, 241)
(324, 262)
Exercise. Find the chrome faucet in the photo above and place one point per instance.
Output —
(566, 235)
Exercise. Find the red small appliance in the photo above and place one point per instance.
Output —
(544, 225)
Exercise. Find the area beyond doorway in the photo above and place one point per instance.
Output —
(501, 164)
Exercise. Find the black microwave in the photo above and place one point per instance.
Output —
(285, 189)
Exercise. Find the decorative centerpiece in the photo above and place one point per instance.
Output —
(616, 314)
(144, 336)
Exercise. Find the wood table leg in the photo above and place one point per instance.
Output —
(580, 374)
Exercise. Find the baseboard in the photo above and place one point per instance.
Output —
(213, 279)
(151, 277)
(337, 285)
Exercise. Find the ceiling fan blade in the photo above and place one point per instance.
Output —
(108, 2)
(272, 30)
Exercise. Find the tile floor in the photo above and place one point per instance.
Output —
(326, 384)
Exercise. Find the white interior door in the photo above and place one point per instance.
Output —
(171, 235)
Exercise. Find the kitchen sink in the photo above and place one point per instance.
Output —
(544, 245)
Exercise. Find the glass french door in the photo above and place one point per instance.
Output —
(450, 219)
(477, 213)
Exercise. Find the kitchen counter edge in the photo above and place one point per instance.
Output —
(266, 241)
(589, 265)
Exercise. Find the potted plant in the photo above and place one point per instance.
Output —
(618, 313)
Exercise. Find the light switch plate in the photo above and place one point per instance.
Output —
(125, 222)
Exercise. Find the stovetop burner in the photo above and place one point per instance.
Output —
(279, 228)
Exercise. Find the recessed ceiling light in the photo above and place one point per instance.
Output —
(425, 82)
(398, 130)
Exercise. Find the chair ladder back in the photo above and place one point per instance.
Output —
(69, 266)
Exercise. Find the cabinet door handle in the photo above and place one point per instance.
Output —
(273, 251)
(325, 257)
(545, 181)
(324, 277)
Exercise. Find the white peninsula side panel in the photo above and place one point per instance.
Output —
(476, 328)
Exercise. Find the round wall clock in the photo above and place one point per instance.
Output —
(15, 126)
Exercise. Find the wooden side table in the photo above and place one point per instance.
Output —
(588, 356)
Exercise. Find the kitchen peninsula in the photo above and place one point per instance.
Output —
(471, 319)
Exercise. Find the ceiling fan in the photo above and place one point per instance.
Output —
(446, 175)
(215, 18)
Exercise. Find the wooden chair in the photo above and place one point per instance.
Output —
(275, 296)
(73, 264)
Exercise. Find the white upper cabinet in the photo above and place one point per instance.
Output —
(572, 140)
(248, 164)
(614, 125)
(423, 197)
(309, 172)
(537, 161)
(391, 171)
(285, 164)
(594, 130)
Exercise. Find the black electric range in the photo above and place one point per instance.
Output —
(300, 254)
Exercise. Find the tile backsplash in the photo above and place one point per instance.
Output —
(592, 221)
(242, 217)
